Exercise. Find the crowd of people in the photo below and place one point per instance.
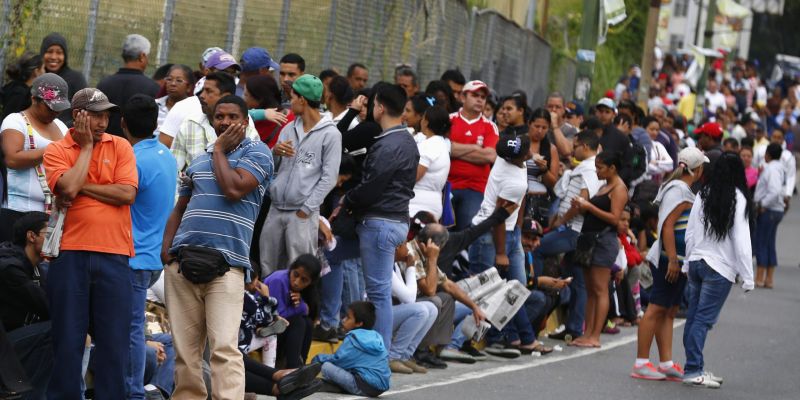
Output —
(188, 235)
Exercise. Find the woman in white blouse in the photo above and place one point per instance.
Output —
(25, 135)
(659, 161)
(434, 162)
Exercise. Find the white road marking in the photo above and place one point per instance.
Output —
(533, 363)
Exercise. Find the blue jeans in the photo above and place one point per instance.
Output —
(33, 345)
(410, 324)
(482, 257)
(707, 293)
(340, 377)
(559, 241)
(536, 307)
(335, 291)
(378, 239)
(576, 311)
(89, 288)
(161, 375)
(766, 234)
(141, 280)
(466, 203)
(461, 314)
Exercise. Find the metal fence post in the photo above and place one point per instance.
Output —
(468, 65)
(490, 70)
(88, 51)
(6, 21)
(358, 27)
(165, 32)
(283, 27)
(232, 6)
(326, 56)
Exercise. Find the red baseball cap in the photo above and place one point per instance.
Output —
(712, 129)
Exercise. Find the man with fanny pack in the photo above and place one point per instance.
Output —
(205, 250)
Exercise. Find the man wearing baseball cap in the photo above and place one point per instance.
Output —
(307, 154)
(255, 61)
(93, 175)
(709, 139)
(612, 139)
(473, 138)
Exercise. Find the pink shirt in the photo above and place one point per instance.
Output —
(751, 174)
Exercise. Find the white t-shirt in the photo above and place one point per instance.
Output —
(715, 101)
(508, 182)
(434, 154)
(161, 102)
(179, 112)
(24, 190)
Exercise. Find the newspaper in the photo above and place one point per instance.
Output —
(478, 286)
(474, 331)
(502, 304)
(498, 299)
(52, 239)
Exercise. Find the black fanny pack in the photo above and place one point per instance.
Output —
(201, 264)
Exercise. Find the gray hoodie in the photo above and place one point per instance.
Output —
(303, 181)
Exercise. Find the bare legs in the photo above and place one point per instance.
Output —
(597, 279)
(657, 322)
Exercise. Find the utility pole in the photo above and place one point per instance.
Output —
(648, 53)
(586, 52)
(708, 36)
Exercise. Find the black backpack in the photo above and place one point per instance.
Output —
(634, 163)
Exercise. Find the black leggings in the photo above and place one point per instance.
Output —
(295, 342)
(258, 377)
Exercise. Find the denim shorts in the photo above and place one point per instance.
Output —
(606, 250)
(663, 293)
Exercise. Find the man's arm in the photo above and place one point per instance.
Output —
(378, 172)
(235, 183)
(563, 145)
(459, 150)
(427, 285)
(114, 194)
(173, 223)
(454, 290)
(69, 184)
(479, 156)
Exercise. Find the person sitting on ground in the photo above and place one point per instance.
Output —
(361, 364)
(24, 312)
(298, 302)
(544, 297)
(411, 320)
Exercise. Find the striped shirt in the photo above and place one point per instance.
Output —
(194, 136)
(576, 184)
(213, 221)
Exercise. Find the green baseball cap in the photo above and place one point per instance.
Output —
(308, 86)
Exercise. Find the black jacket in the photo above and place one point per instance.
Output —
(75, 80)
(22, 297)
(459, 241)
(16, 97)
(122, 86)
(389, 176)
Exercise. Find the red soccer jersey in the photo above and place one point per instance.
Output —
(481, 131)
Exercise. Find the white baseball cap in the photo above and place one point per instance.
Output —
(691, 158)
(474, 86)
(607, 102)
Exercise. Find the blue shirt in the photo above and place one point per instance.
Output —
(154, 200)
(215, 222)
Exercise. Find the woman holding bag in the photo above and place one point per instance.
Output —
(601, 216)
(25, 135)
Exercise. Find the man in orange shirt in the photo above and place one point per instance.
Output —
(93, 174)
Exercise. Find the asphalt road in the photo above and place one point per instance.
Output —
(754, 347)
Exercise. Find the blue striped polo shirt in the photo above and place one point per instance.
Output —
(213, 221)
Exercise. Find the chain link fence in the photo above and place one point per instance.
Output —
(430, 35)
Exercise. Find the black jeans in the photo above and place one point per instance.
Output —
(258, 377)
(33, 346)
(294, 343)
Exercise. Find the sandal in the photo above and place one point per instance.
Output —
(542, 349)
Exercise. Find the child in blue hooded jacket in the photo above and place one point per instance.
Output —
(361, 365)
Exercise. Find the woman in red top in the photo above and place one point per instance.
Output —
(262, 93)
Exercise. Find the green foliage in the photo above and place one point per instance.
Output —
(24, 13)
(624, 46)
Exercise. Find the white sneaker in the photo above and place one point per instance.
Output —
(704, 380)
(715, 378)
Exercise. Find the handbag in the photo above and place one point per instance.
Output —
(344, 224)
(584, 249)
(582, 256)
(201, 264)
